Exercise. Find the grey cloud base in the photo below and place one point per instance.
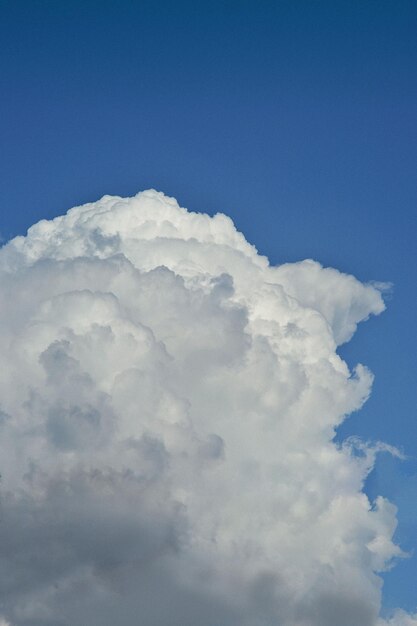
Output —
(167, 409)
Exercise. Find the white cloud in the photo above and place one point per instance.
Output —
(400, 618)
(167, 407)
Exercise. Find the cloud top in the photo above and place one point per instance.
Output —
(168, 411)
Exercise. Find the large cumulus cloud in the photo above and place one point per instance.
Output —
(168, 403)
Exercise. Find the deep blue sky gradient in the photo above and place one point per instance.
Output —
(298, 119)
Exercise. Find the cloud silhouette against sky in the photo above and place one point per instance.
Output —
(168, 406)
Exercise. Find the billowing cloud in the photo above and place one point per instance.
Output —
(168, 403)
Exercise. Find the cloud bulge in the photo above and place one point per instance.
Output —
(168, 406)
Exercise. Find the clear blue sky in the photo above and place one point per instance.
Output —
(298, 119)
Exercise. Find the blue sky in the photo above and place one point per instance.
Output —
(298, 119)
